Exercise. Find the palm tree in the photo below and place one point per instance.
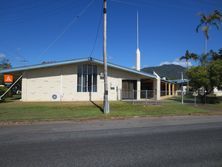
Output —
(207, 21)
(204, 59)
(189, 56)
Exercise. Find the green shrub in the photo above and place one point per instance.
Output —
(3, 90)
(213, 100)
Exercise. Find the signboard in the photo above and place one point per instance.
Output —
(202, 92)
(8, 78)
(195, 94)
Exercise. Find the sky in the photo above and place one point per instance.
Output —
(55, 30)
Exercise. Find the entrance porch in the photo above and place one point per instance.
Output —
(146, 89)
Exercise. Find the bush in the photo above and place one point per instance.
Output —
(213, 100)
(3, 90)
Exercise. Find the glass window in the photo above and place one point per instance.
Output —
(87, 78)
(94, 83)
(79, 72)
(94, 78)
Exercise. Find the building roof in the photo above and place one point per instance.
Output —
(167, 81)
(74, 61)
(180, 81)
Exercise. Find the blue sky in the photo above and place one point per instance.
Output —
(29, 29)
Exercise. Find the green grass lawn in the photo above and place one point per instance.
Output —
(42, 111)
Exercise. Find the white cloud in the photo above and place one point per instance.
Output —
(176, 62)
(2, 56)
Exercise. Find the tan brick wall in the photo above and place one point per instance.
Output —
(41, 84)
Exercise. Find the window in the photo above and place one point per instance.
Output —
(79, 79)
(94, 79)
(87, 78)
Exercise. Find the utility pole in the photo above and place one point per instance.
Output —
(182, 88)
(105, 101)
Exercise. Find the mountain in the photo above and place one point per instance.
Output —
(170, 71)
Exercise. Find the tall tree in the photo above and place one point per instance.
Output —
(189, 56)
(208, 76)
(215, 55)
(206, 22)
(204, 59)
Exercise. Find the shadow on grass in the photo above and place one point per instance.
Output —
(98, 106)
(6, 100)
(10, 99)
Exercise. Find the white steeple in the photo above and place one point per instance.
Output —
(137, 50)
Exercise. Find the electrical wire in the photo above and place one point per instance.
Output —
(67, 27)
(97, 35)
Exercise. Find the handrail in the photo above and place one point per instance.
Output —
(10, 87)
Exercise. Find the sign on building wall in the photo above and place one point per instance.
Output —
(8, 78)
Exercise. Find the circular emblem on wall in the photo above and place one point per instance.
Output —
(54, 97)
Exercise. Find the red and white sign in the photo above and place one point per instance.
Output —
(8, 78)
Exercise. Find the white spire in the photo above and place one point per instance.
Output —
(137, 29)
(137, 50)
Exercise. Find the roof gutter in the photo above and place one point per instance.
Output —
(25, 68)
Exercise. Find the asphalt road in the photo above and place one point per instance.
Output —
(135, 142)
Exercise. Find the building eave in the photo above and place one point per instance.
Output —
(125, 69)
(38, 66)
(74, 61)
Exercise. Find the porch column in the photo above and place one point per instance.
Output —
(173, 89)
(138, 89)
(157, 88)
(169, 89)
(24, 87)
(166, 89)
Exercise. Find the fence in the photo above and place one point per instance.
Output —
(192, 97)
(150, 96)
(133, 94)
(145, 94)
(168, 93)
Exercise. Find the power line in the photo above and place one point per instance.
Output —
(67, 27)
(97, 35)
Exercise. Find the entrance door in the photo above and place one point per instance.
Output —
(128, 89)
